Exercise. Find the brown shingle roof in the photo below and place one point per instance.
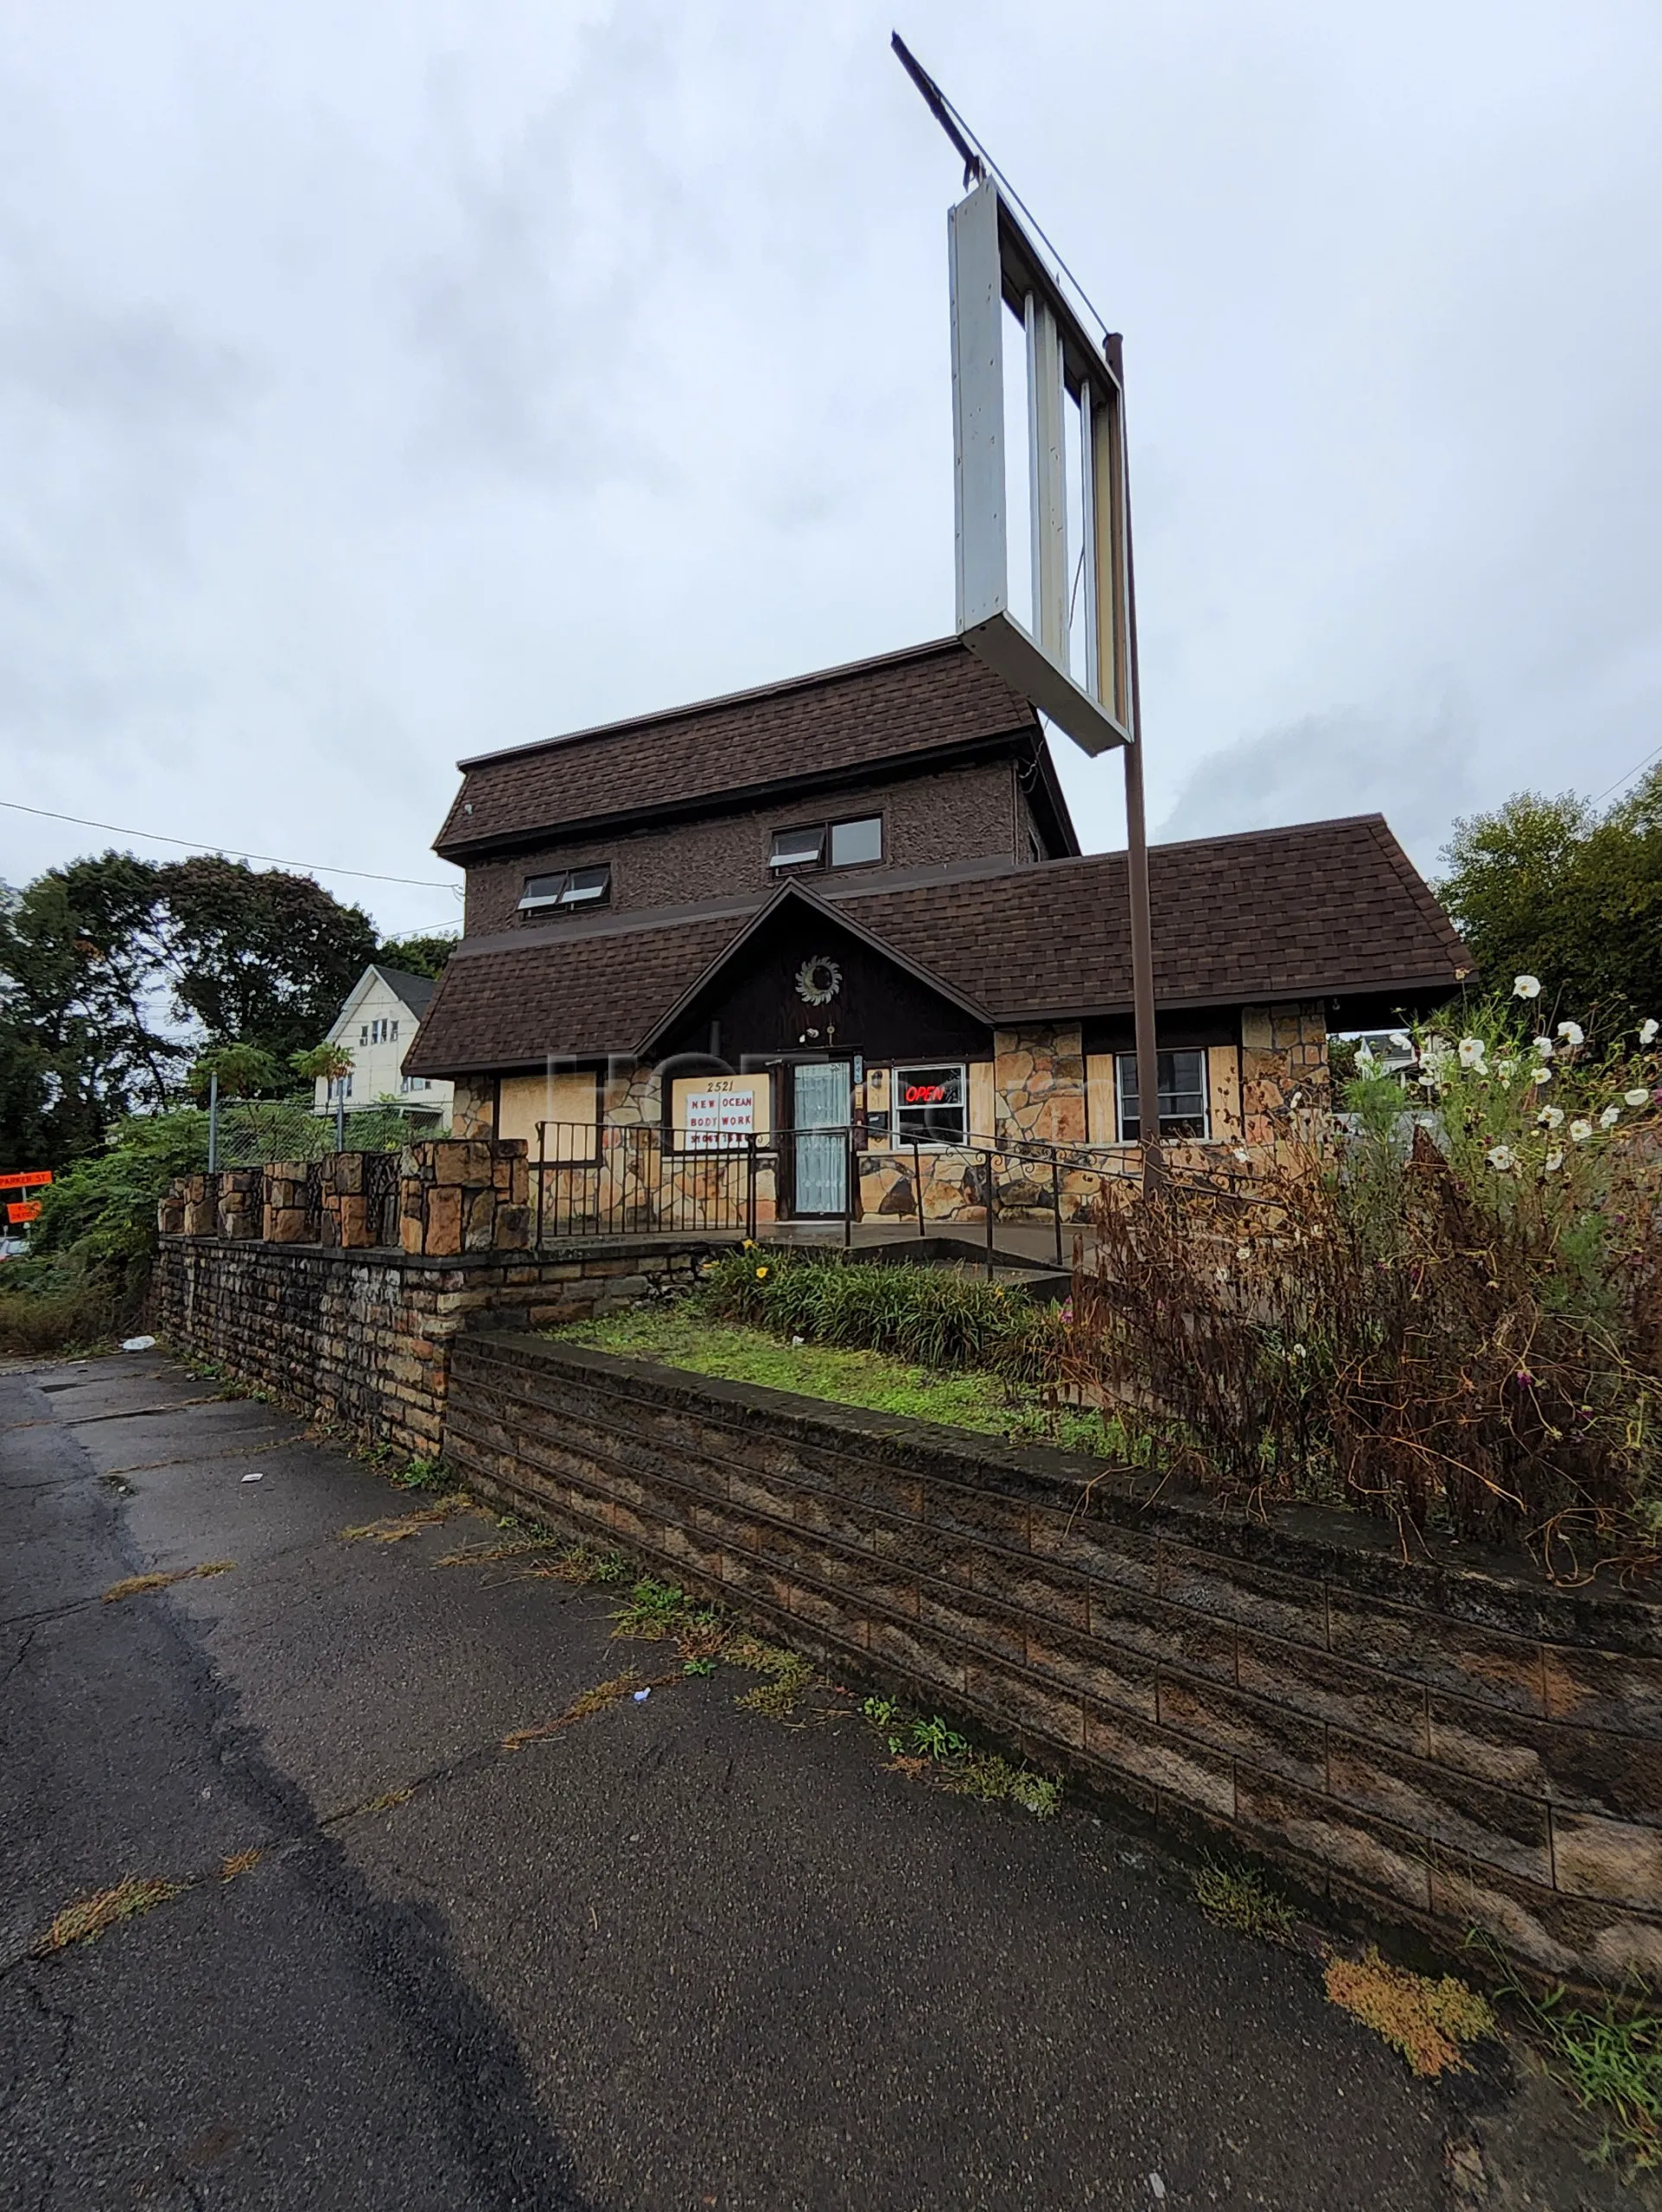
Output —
(896, 708)
(1324, 909)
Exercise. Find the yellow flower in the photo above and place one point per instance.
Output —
(761, 1274)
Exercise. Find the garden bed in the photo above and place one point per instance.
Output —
(686, 1335)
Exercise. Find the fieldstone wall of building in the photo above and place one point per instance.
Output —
(1284, 1058)
(1454, 1746)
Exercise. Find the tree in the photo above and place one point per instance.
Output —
(79, 1042)
(418, 956)
(1550, 887)
(260, 957)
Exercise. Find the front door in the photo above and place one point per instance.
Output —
(821, 1103)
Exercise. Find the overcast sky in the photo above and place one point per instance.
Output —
(381, 385)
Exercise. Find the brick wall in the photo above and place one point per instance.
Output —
(1448, 1744)
(364, 1338)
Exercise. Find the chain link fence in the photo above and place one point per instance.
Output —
(255, 1132)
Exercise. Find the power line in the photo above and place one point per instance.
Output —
(146, 836)
(1627, 778)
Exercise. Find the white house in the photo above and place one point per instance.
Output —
(376, 1025)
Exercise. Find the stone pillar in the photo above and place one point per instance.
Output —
(473, 1108)
(170, 1210)
(343, 1220)
(288, 1217)
(201, 1205)
(464, 1194)
(241, 1206)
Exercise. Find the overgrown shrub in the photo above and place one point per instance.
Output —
(928, 1315)
(1447, 1312)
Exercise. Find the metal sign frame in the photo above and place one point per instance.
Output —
(996, 269)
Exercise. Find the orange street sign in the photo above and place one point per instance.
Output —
(24, 1210)
(25, 1179)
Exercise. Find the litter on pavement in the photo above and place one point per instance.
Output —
(254, 1478)
(137, 1343)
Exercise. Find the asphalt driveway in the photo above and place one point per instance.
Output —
(679, 1955)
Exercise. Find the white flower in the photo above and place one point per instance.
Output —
(1553, 1161)
(1572, 1032)
(1544, 1046)
(1540, 1075)
(1505, 1069)
(1609, 1117)
(1550, 1117)
(1471, 1053)
(1635, 1097)
(1580, 1131)
(1501, 1157)
(1647, 1029)
(1428, 1081)
(1400, 1044)
(1365, 1056)
(1527, 986)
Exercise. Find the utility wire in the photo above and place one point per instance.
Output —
(1629, 776)
(316, 868)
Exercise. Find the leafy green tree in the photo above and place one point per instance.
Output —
(261, 957)
(80, 1041)
(1552, 888)
(418, 956)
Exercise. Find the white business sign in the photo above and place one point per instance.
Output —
(719, 1119)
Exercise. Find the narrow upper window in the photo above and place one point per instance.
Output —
(798, 848)
(363, 1032)
(395, 1029)
(1182, 1095)
(572, 887)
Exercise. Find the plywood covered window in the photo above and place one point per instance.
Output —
(568, 1103)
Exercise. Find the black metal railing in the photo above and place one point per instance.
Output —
(381, 1196)
(635, 1179)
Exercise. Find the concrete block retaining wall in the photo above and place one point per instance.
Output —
(1453, 1744)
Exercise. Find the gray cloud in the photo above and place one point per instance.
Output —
(1327, 765)
(380, 385)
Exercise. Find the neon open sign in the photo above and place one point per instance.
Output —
(925, 1094)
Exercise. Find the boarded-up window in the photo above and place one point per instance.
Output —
(567, 1102)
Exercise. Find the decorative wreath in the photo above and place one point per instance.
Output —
(818, 981)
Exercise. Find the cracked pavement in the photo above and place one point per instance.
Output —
(677, 1955)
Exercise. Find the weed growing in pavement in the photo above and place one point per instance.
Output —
(239, 1862)
(791, 1677)
(652, 1610)
(1426, 2020)
(92, 1917)
(394, 1531)
(927, 1750)
(1609, 2059)
(698, 1666)
(585, 1706)
(1239, 1898)
(425, 1474)
(134, 1586)
(1614, 2066)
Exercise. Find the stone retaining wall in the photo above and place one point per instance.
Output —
(1452, 1743)
(364, 1338)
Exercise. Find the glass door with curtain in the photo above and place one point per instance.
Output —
(822, 1100)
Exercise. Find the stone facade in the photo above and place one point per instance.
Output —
(1451, 1745)
(364, 1340)
(1284, 1058)
(239, 1210)
(1038, 1081)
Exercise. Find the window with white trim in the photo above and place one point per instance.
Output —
(568, 888)
(930, 1105)
(1183, 1103)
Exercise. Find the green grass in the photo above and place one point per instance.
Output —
(680, 1337)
